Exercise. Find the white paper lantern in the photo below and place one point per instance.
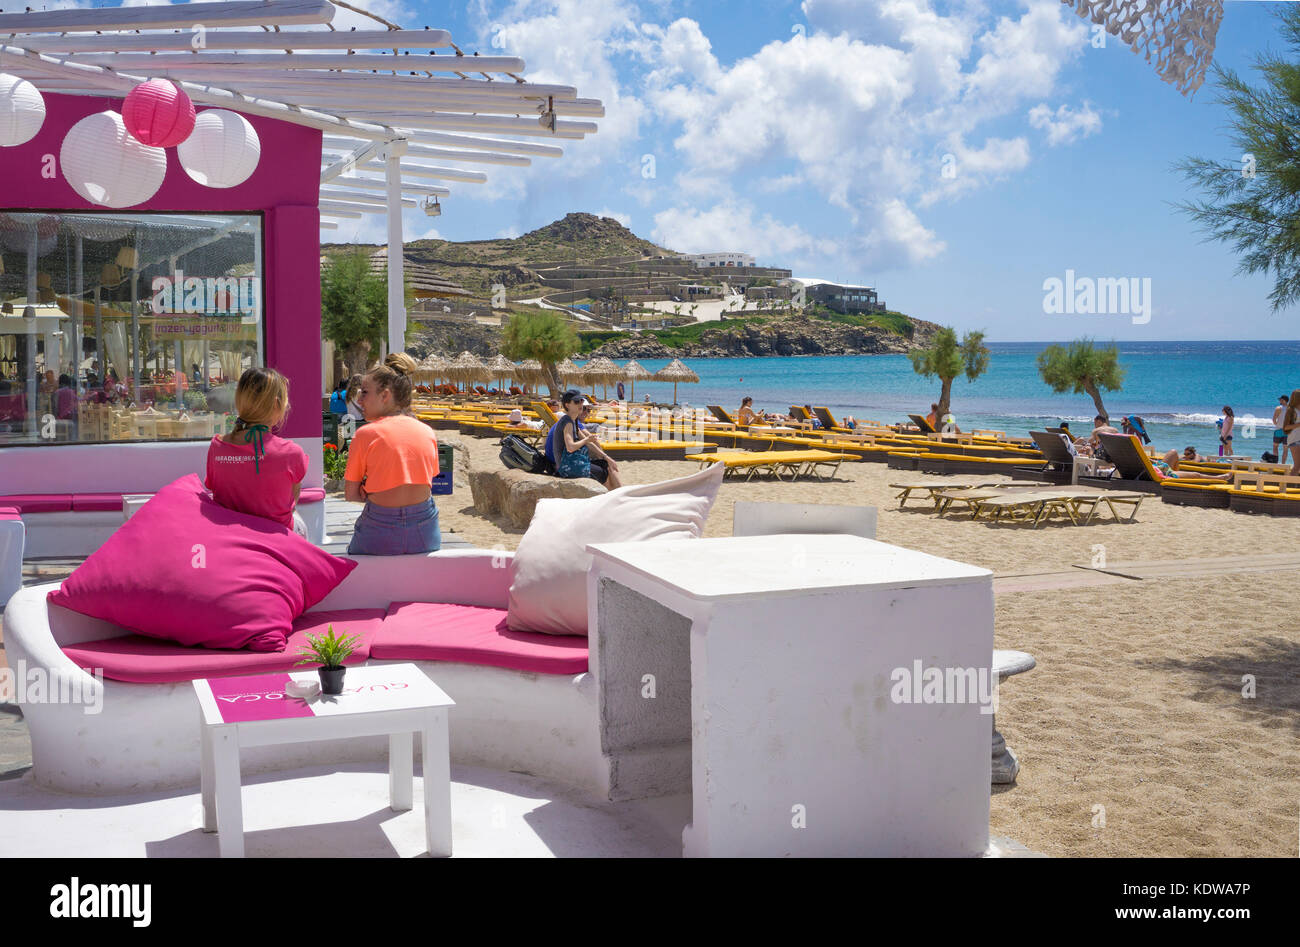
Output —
(106, 165)
(22, 110)
(222, 151)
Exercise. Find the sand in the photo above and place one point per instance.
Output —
(1133, 734)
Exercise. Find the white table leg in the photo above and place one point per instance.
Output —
(401, 771)
(230, 810)
(207, 784)
(436, 749)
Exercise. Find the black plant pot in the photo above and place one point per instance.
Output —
(331, 680)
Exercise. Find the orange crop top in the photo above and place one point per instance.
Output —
(392, 452)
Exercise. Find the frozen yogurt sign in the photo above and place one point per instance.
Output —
(223, 295)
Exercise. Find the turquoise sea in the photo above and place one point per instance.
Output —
(1179, 388)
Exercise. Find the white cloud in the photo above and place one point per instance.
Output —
(863, 103)
(962, 168)
(622, 218)
(1065, 125)
(735, 226)
(777, 185)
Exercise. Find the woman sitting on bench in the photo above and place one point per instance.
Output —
(574, 449)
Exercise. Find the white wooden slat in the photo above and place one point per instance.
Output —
(479, 105)
(347, 162)
(347, 208)
(428, 151)
(329, 225)
(170, 16)
(430, 171)
(529, 127)
(380, 80)
(536, 149)
(379, 184)
(358, 197)
(240, 39)
(353, 214)
(98, 77)
(190, 62)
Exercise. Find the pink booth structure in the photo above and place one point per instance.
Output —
(69, 492)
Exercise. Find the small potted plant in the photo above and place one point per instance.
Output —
(329, 651)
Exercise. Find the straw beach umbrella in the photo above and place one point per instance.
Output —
(433, 366)
(676, 372)
(467, 368)
(567, 371)
(501, 367)
(603, 370)
(530, 372)
(634, 371)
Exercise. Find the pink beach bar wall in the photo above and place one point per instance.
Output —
(284, 189)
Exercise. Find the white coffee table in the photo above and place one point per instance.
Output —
(397, 699)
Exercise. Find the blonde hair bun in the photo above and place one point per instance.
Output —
(401, 363)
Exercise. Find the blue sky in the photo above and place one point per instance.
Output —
(813, 135)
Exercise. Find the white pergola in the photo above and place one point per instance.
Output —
(399, 117)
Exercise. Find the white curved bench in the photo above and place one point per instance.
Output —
(146, 736)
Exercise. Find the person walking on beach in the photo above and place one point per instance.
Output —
(1291, 425)
(391, 465)
(1225, 432)
(1279, 435)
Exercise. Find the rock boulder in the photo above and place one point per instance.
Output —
(514, 493)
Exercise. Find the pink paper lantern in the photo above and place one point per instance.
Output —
(159, 114)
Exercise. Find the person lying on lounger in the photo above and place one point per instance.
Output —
(1168, 469)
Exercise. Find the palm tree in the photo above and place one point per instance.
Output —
(541, 335)
(946, 358)
(1082, 367)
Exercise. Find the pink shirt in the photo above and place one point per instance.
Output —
(237, 483)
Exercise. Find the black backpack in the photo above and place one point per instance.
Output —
(517, 454)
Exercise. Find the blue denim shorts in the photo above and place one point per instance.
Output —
(396, 531)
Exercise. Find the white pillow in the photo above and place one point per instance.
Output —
(548, 582)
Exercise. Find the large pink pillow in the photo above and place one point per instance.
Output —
(186, 569)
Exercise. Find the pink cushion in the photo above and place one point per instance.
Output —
(40, 502)
(311, 495)
(92, 502)
(9, 513)
(186, 569)
(421, 631)
(142, 660)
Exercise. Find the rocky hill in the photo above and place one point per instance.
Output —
(792, 335)
(477, 264)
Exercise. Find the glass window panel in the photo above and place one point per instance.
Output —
(122, 326)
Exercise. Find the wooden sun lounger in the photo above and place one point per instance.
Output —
(1080, 504)
(932, 490)
(781, 464)
(974, 497)
(935, 489)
